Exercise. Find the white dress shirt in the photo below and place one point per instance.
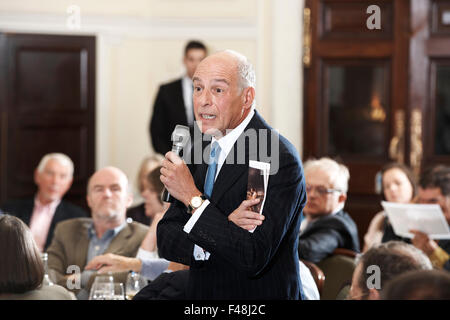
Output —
(226, 144)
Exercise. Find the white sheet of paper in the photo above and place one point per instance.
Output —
(427, 218)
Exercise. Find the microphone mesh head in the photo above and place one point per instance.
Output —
(180, 135)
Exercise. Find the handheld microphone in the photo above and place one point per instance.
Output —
(180, 137)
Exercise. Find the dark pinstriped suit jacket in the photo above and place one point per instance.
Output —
(242, 265)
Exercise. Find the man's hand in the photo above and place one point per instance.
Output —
(423, 242)
(174, 266)
(114, 263)
(245, 218)
(177, 178)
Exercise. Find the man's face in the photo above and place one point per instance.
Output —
(321, 203)
(108, 196)
(219, 102)
(191, 60)
(53, 182)
(434, 195)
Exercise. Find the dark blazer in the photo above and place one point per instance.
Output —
(322, 236)
(168, 111)
(242, 265)
(23, 209)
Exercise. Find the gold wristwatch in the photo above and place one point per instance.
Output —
(195, 203)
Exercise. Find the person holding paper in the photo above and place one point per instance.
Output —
(434, 187)
(398, 184)
(226, 261)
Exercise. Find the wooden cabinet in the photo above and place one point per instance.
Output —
(376, 96)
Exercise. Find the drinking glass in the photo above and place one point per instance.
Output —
(135, 282)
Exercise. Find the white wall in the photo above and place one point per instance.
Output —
(140, 43)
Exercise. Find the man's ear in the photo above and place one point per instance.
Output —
(248, 97)
(342, 198)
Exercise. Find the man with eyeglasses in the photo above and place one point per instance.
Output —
(326, 227)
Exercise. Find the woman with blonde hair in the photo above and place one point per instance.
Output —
(143, 212)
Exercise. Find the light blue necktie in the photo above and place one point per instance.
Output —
(212, 169)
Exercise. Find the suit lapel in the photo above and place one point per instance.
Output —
(118, 244)
(82, 243)
(233, 168)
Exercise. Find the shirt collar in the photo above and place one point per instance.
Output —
(110, 233)
(186, 81)
(227, 141)
(52, 205)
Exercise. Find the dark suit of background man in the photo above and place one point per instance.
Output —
(173, 103)
(226, 260)
(46, 209)
(326, 227)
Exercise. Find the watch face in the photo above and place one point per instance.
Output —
(196, 202)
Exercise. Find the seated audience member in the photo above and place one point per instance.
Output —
(147, 261)
(399, 185)
(326, 226)
(419, 285)
(46, 209)
(434, 187)
(78, 241)
(390, 260)
(21, 267)
(142, 212)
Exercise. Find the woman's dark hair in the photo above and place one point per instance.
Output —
(155, 182)
(406, 170)
(21, 267)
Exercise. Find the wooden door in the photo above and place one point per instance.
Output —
(430, 83)
(47, 104)
(356, 92)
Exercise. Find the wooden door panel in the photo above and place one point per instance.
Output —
(343, 19)
(37, 91)
(49, 106)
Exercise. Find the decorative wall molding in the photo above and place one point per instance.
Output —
(150, 28)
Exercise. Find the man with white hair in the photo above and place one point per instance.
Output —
(78, 241)
(326, 227)
(53, 177)
(207, 227)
